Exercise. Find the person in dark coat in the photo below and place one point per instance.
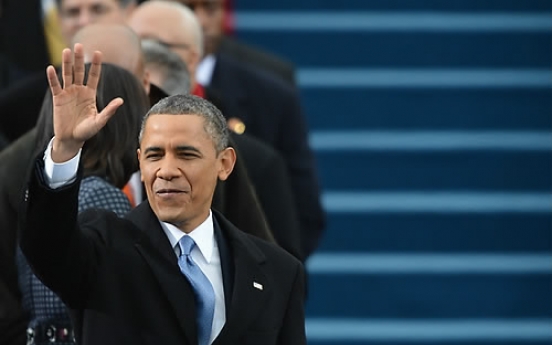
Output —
(137, 280)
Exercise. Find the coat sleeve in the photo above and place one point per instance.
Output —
(59, 253)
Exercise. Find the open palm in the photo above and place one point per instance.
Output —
(76, 118)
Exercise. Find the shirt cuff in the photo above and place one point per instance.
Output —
(59, 174)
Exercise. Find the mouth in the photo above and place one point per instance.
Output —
(164, 193)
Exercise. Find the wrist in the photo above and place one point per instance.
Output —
(64, 150)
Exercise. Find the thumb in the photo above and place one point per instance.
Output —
(109, 110)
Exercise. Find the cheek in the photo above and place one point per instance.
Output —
(200, 174)
(109, 18)
(147, 173)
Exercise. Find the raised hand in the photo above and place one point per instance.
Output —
(76, 118)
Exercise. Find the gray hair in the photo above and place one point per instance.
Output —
(215, 123)
(175, 74)
(122, 3)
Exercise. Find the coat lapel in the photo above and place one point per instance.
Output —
(251, 286)
(155, 248)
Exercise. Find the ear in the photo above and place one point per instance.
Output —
(139, 163)
(195, 58)
(227, 160)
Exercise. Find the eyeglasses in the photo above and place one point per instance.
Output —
(170, 45)
(210, 6)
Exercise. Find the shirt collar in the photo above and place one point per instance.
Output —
(204, 72)
(203, 236)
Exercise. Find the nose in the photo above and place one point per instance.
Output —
(85, 18)
(168, 170)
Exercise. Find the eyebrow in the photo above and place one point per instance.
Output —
(178, 148)
(152, 149)
(188, 148)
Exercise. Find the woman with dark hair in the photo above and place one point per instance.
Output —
(108, 160)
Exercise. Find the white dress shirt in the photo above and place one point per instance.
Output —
(205, 254)
(204, 71)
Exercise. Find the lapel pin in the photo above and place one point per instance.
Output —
(258, 286)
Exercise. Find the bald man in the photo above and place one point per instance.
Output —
(172, 25)
(267, 106)
(14, 166)
(123, 48)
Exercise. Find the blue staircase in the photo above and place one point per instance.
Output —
(431, 121)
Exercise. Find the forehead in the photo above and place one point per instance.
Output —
(89, 3)
(165, 127)
(160, 24)
(120, 50)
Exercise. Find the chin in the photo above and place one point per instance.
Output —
(168, 218)
(166, 215)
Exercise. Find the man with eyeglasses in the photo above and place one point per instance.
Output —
(211, 15)
(76, 14)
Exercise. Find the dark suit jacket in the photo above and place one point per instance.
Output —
(264, 60)
(271, 112)
(121, 278)
(3, 141)
(15, 161)
(268, 174)
(236, 199)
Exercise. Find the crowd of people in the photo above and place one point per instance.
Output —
(157, 181)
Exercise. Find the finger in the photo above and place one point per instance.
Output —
(79, 64)
(67, 67)
(95, 70)
(53, 80)
(109, 110)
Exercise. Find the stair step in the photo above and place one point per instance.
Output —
(433, 296)
(509, 49)
(428, 108)
(385, 170)
(333, 341)
(461, 331)
(445, 233)
(414, 5)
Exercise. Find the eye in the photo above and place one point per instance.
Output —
(188, 155)
(71, 12)
(153, 156)
(99, 9)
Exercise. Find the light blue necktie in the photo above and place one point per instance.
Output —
(205, 295)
